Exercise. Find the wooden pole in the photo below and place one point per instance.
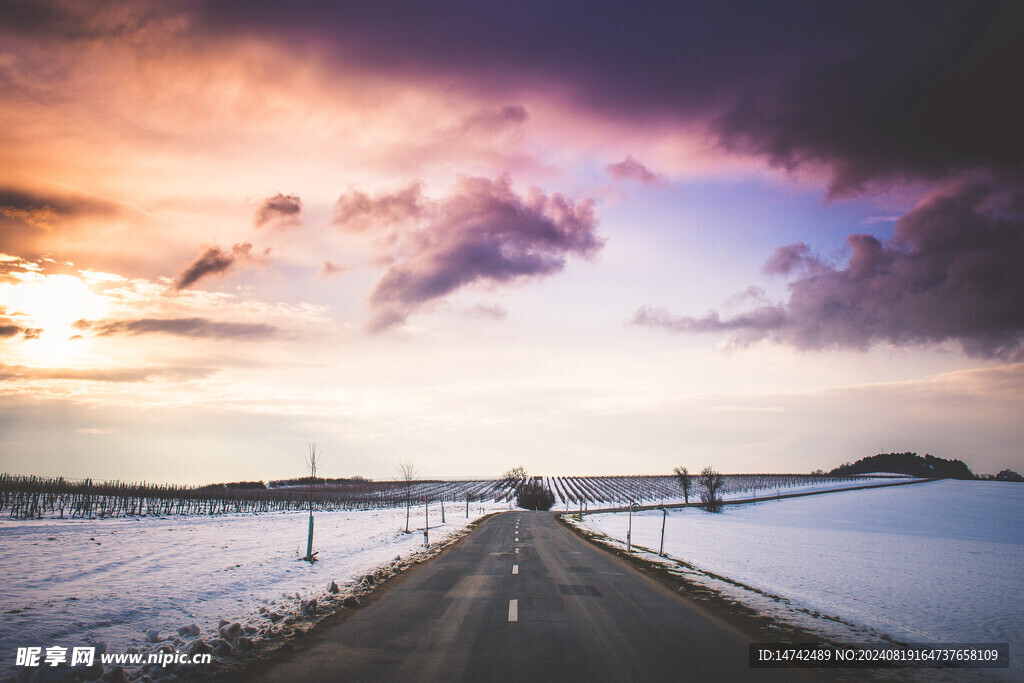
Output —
(629, 530)
(309, 543)
(664, 514)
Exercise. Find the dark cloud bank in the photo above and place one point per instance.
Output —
(870, 90)
(952, 271)
(483, 232)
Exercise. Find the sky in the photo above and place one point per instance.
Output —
(581, 237)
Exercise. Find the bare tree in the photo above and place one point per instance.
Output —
(685, 481)
(711, 483)
(407, 472)
(312, 462)
(515, 478)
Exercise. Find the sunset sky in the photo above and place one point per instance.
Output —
(582, 237)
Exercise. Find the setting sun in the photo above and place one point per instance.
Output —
(47, 307)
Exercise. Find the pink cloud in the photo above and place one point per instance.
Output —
(631, 169)
(482, 232)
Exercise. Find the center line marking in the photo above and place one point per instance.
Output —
(515, 569)
(513, 610)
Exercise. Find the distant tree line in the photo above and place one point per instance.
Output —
(1008, 475)
(235, 486)
(907, 463)
(316, 481)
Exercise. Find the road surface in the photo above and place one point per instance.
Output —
(524, 599)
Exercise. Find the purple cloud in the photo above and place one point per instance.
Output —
(492, 121)
(951, 272)
(487, 311)
(785, 260)
(631, 169)
(481, 233)
(213, 261)
(329, 267)
(356, 211)
(283, 210)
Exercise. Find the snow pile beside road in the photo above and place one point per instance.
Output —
(931, 562)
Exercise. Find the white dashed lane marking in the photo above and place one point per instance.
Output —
(513, 610)
(515, 569)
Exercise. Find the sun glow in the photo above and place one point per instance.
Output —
(47, 307)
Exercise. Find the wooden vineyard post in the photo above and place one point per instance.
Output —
(309, 542)
(312, 462)
(629, 530)
(664, 515)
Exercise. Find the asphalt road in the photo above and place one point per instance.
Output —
(524, 599)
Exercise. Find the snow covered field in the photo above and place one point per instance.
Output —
(77, 582)
(930, 562)
(614, 492)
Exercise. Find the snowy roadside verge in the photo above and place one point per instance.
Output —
(939, 562)
(226, 584)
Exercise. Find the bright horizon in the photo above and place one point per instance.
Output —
(562, 236)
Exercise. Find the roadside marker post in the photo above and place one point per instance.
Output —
(426, 523)
(629, 530)
(664, 514)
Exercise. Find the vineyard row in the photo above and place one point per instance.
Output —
(30, 497)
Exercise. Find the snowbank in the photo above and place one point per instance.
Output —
(142, 582)
(932, 562)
